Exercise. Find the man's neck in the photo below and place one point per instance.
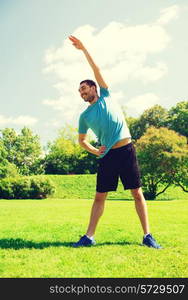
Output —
(94, 100)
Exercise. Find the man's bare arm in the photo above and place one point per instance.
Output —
(78, 44)
(87, 146)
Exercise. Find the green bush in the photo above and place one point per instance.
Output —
(40, 188)
(6, 190)
(25, 188)
(20, 188)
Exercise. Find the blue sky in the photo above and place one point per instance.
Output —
(140, 47)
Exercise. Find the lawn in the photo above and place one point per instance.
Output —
(36, 235)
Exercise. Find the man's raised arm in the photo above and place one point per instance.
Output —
(78, 44)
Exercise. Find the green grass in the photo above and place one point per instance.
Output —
(36, 235)
(83, 187)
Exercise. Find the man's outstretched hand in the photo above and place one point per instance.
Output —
(76, 42)
(78, 45)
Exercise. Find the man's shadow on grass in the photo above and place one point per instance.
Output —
(17, 244)
(131, 200)
(21, 244)
(123, 243)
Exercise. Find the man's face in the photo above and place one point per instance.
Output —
(87, 92)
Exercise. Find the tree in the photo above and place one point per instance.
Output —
(178, 121)
(156, 116)
(135, 127)
(23, 150)
(6, 168)
(61, 157)
(65, 156)
(161, 153)
(181, 176)
(178, 118)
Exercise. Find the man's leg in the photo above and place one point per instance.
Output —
(141, 208)
(96, 212)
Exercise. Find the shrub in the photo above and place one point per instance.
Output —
(25, 188)
(40, 188)
(6, 190)
(21, 188)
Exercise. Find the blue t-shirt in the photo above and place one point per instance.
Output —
(106, 120)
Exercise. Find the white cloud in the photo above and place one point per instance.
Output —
(53, 123)
(20, 120)
(136, 105)
(68, 111)
(168, 14)
(149, 73)
(123, 53)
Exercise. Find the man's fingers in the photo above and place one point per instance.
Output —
(74, 41)
(73, 38)
(102, 149)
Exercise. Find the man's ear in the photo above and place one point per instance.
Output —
(94, 88)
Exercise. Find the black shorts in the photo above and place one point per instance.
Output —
(119, 162)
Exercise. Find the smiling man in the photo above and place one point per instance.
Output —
(117, 157)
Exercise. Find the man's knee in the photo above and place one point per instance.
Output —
(137, 194)
(100, 197)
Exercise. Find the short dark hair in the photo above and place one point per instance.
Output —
(89, 82)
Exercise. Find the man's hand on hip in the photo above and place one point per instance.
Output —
(101, 150)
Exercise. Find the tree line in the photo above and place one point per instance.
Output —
(160, 137)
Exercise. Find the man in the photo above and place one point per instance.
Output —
(117, 157)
